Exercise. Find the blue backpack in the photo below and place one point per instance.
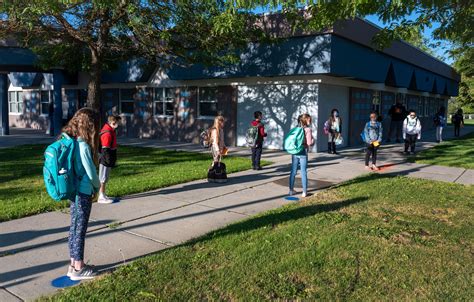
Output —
(294, 141)
(58, 169)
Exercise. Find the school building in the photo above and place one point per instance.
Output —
(303, 72)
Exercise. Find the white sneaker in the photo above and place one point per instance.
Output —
(70, 270)
(104, 199)
(86, 273)
(303, 195)
(291, 193)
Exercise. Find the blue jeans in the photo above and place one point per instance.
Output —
(300, 160)
(80, 212)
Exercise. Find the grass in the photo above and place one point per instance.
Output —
(373, 238)
(466, 122)
(452, 153)
(22, 191)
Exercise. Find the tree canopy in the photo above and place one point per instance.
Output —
(92, 35)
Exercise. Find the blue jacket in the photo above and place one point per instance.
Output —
(373, 132)
(86, 173)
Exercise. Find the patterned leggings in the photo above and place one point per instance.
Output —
(80, 212)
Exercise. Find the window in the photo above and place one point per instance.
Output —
(421, 106)
(15, 102)
(45, 102)
(376, 102)
(126, 101)
(207, 105)
(164, 101)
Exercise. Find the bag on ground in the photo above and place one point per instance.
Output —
(217, 173)
(205, 138)
(294, 141)
(58, 169)
(251, 136)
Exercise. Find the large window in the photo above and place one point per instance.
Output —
(207, 105)
(127, 100)
(376, 101)
(421, 107)
(15, 102)
(46, 100)
(164, 101)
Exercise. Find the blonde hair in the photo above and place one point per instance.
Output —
(217, 121)
(83, 124)
(304, 119)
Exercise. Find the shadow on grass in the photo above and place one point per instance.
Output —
(274, 218)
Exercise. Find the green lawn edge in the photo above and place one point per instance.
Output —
(376, 237)
(140, 169)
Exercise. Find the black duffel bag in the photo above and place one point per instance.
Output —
(217, 173)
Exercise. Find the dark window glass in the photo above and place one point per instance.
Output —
(127, 107)
(169, 108)
(127, 94)
(159, 108)
(208, 109)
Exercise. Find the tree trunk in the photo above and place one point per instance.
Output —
(93, 88)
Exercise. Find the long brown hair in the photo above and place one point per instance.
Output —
(303, 119)
(217, 120)
(83, 124)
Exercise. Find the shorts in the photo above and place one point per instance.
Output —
(104, 173)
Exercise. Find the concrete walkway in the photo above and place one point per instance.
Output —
(34, 253)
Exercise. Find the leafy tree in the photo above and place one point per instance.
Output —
(95, 35)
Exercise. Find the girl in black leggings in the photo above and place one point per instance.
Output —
(372, 137)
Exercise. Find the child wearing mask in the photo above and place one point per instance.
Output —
(411, 131)
(372, 135)
(334, 129)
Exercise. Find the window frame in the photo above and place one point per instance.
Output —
(121, 101)
(164, 100)
(41, 102)
(19, 104)
(216, 101)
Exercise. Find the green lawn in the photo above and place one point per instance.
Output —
(466, 122)
(453, 153)
(22, 191)
(373, 238)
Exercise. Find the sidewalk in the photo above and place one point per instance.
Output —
(33, 250)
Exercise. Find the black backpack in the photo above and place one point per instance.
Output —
(217, 173)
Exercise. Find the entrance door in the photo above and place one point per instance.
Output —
(388, 99)
(361, 106)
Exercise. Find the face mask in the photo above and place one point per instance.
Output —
(373, 119)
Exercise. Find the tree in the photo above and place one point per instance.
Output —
(94, 35)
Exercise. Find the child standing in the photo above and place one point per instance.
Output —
(458, 121)
(440, 122)
(301, 159)
(372, 138)
(334, 130)
(411, 131)
(108, 155)
(82, 128)
(218, 148)
(258, 147)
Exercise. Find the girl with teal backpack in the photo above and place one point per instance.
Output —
(297, 143)
(82, 128)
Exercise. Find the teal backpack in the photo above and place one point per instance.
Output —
(294, 141)
(58, 169)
